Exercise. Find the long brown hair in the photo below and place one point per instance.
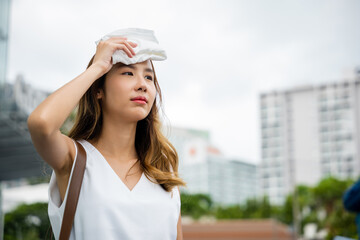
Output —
(156, 154)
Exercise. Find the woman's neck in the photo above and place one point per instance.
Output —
(117, 141)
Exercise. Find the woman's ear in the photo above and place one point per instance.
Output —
(99, 93)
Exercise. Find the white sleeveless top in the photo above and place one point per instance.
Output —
(107, 209)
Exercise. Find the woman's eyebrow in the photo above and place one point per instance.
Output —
(133, 67)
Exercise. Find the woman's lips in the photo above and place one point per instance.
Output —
(139, 101)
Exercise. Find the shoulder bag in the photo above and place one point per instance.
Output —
(73, 194)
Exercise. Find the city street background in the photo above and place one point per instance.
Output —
(221, 54)
(262, 99)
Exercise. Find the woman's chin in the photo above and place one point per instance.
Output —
(134, 116)
(139, 117)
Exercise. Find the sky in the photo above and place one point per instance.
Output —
(220, 54)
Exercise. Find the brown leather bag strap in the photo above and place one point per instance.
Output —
(73, 194)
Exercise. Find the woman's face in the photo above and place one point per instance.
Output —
(123, 83)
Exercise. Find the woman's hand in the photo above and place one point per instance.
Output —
(105, 50)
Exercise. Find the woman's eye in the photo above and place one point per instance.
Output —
(127, 72)
(150, 77)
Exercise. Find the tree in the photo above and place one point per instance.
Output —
(229, 212)
(328, 196)
(195, 205)
(257, 208)
(328, 191)
(27, 221)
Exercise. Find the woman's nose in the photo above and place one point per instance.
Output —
(140, 83)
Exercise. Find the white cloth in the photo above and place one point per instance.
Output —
(147, 46)
(107, 209)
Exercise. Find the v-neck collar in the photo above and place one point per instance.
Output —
(114, 173)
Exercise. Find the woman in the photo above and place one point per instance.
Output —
(130, 186)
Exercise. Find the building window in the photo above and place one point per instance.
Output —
(337, 116)
(324, 129)
(325, 138)
(349, 137)
(276, 124)
(323, 108)
(264, 114)
(346, 105)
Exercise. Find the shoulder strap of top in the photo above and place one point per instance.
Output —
(73, 195)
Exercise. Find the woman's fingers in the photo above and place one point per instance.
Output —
(132, 44)
(128, 43)
(125, 49)
(106, 48)
(122, 41)
(129, 46)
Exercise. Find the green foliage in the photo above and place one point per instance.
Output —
(199, 205)
(328, 191)
(306, 207)
(196, 205)
(27, 222)
(38, 180)
(254, 208)
(340, 223)
(230, 212)
(325, 197)
(285, 213)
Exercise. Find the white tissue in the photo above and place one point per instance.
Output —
(147, 46)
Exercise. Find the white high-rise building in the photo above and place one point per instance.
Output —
(309, 133)
(207, 171)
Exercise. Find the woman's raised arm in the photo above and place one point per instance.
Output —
(45, 121)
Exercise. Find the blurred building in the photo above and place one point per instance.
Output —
(206, 170)
(16, 147)
(230, 181)
(26, 97)
(4, 38)
(309, 133)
